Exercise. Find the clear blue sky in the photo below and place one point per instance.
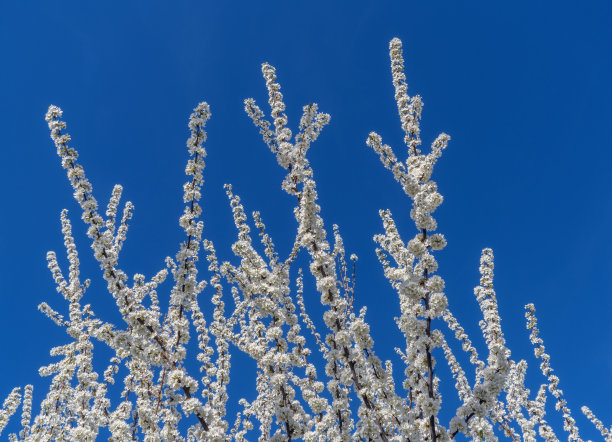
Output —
(523, 88)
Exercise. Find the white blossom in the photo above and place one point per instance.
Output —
(254, 304)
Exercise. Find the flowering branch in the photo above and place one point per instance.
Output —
(295, 399)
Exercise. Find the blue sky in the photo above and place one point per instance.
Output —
(522, 87)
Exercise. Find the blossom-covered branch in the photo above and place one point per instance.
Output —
(256, 303)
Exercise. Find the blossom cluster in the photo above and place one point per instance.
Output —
(257, 307)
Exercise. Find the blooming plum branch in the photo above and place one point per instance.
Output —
(257, 306)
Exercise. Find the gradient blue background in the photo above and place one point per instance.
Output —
(522, 87)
